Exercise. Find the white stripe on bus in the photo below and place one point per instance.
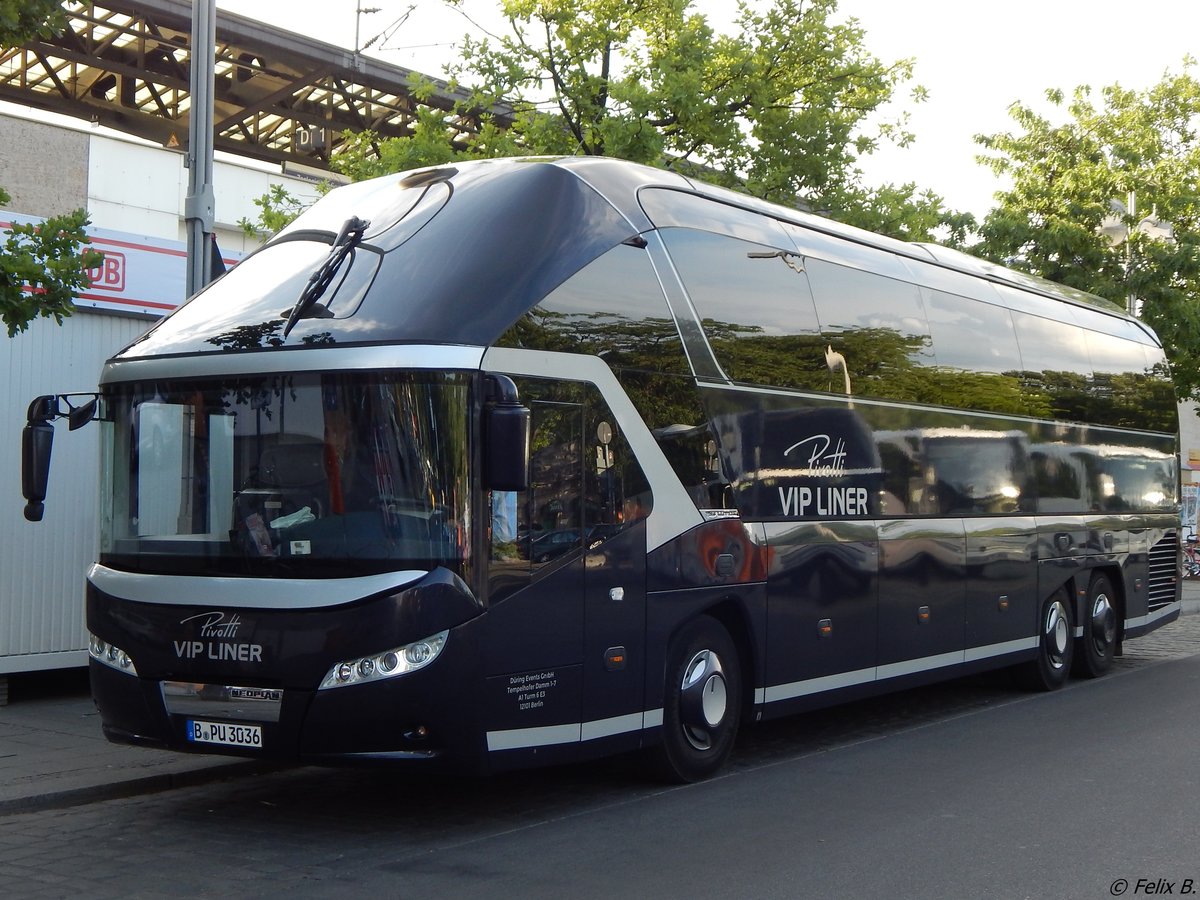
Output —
(1159, 613)
(519, 738)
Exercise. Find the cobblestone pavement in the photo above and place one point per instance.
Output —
(1180, 638)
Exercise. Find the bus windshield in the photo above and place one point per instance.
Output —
(291, 475)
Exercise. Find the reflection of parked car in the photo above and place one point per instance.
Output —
(598, 534)
(553, 543)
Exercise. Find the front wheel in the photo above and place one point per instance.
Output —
(1099, 642)
(1056, 646)
(702, 704)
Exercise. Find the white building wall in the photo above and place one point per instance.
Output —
(135, 188)
(42, 565)
(140, 189)
(130, 187)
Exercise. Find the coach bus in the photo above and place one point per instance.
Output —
(527, 461)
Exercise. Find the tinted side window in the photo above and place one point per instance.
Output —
(614, 308)
(978, 362)
(585, 486)
(963, 473)
(1057, 370)
(1104, 478)
(1061, 473)
(754, 303)
(979, 473)
(1161, 412)
(1125, 391)
(970, 335)
(878, 326)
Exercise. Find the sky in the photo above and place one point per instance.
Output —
(975, 57)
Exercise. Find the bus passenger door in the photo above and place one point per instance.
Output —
(533, 647)
(617, 502)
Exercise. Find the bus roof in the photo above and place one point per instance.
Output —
(455, 254)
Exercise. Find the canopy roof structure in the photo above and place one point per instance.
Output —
(279, 96)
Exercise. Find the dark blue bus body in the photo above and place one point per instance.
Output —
(773, 463)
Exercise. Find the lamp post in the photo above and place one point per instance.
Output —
(1114, 227)
(199, 205)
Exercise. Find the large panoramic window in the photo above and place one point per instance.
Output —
(754, 303)
(303, 474)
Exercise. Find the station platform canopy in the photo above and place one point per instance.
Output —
(279, 96)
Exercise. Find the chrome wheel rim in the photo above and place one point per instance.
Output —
(704, 700)
(1103, 623)
(1056, 634)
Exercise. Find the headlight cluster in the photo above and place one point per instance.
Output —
(388, 664)
(110, 655)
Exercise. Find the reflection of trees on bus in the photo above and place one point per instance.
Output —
(886, 364)
(262, 335)
(645, 353)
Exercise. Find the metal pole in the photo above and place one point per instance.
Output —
(199, 206)
(1131, 298)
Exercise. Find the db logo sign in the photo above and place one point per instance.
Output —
(110, 274)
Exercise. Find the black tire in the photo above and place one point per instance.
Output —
(1097, 647)
(702, 702)
(1056, 646)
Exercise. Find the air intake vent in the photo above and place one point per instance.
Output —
(1164, 571)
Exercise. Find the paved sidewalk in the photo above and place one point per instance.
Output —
(52, 753)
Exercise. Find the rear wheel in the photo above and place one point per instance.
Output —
(702, 704)
(1099, 642)
(1056, 646)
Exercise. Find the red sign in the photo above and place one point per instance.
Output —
(110, 274)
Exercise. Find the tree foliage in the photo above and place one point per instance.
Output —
(42, 267)
(783, 108)
(24, 20)
(1064, 176)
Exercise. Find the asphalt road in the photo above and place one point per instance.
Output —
(970, 789)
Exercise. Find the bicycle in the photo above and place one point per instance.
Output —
(1191, 556)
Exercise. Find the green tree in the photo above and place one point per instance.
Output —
(1065, 175)
(24, 20)
(783, 108)
(42, 267)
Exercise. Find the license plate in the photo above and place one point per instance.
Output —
(224, 733)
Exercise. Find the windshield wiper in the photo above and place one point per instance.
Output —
(348, 238)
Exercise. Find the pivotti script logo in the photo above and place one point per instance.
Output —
(217, 632)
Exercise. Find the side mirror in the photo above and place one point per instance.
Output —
(506, 437)
(37, 440)
(82, 414)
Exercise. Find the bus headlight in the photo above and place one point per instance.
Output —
(388, 664)
(110, 655)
